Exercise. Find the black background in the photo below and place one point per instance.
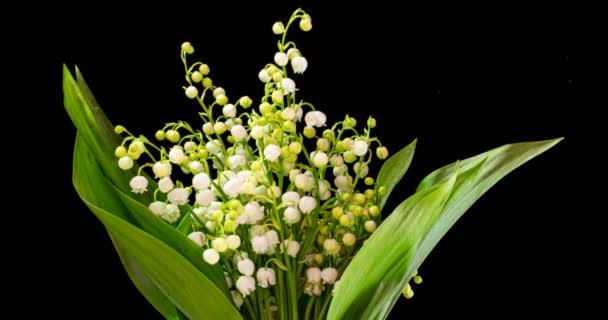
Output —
(460, 83)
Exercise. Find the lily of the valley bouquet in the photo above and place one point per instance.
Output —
(262, 209)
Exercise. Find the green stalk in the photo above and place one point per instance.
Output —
(311, 301)
(293, 295)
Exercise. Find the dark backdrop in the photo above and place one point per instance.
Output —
(461, 84)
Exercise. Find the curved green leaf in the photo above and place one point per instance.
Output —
(498, 163)
(378, 271)
(394, 169)
(194, 294)
(85, 177)
(160, 281)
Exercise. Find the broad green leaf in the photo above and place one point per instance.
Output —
(194, 294)
(139, 214)
(378, 271)
(95, 129)
(85, 177)
(394, 169)
(475, 176)
(498, 163)
(145, 250)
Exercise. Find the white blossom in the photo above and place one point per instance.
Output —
(343, 183)
(329, 275)
(158, 208)
(264, 76)
(198, 238)
(307, 204)
(232, 187)
(332, 247)
(236, 161)
(299, 64)
(238, 132)
(201, 181)
(229, 110)
(293, 247)
(195, 166)
(288, 85)
(253, 212)
(291, 198)
(165, 184)
(319, 159)
(361, 171)
(213, 147)
(178, 196)
(162, 169)
(281, 59)
(359, 148)
(291, 215)
(204, 197)
(257, 132)
(233, 241)
(219, 244)
(191, 92)
(125, 163)
(139, 184)
(272, 152)
(211, 256)
(259, 244)
(171, 213)
(246, 267)
(313, 275)
(176, 155)
(266, 277)
(315, 119)
(245, 285)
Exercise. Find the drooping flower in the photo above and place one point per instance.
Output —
(245, 285)
(139, 184)
(266, 277)
(299, 64)
(315, 119)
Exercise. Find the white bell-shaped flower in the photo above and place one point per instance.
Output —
(246, 267)
(229, 110)
(238, 132)
(211, 256)
(139, 184)
(178, 196)
(313, 275)
(272, 152)
(198, 238)
(245, 285)
(176, 155)
(165, 184)
(162, 169)
(201, 181)
(299, 64)
(281, 59)
(359, 148)
(315, 119)
(266, 277)
(329, 275)
(291, 215)
(307, 204)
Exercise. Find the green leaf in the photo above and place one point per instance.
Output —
(158, 269)
(378, 270)
(85, 176)
(394, 169)
(194, 294)
(498, 163)
(95, 129)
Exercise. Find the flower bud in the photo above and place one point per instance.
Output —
(211, 256)
(309, 132)
(119, 129)
(332, 247)
(246, 267)
(245, 102)
(219, 244)
(221, 99)
(165, 185)
(191, 92)
(198, 238)
(382, 153)
(307, 204)
(281, 59)
(187, 48)
(196, 76)
(305, 23)
(204, 69)
(125, 163)
(349, 239)
(208, 128)
(173, 136)
(278, 27)
(264, 76)
(207, 83)
(359, 148)
(291, 215)
(229, 110)
(160, 135)
(277, 97)
(120, 152)
(371, 122)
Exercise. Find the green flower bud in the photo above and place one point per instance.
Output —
(305, 23)
(323, 144)
(160, 135)
(295, 147)
(329, 134)
(324, 230)
(245, 102)
(369, 193)
(277, 97)
(349, 157)
(369, 181)
(337, 212)
(229, 226)
(309, 132)
(320, 239)
(382, 153)
(203, 153)
(191, 92)
(221, 99)
(374, 211)
(272, 69)
(382, 190)
(204, 69)
(417, 279)
(133, 155)
(197, 76)
(289, 126)
(359, 198)
(173, 136)
(219, 127)
(217, 216)
(408, 293)
(371, 122)
(346, 221)
(265, 108)
(284, 151)
(350, 122)
(207, 83)
(278, 27)
(346, 197)
(277, 77)
(370, 226)
(187, 48)
(120, 152)
(349, 239)
(318, 258)
(119, 129)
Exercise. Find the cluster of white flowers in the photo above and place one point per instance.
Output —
(248, 190)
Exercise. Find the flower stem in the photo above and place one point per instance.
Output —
(311, 301)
